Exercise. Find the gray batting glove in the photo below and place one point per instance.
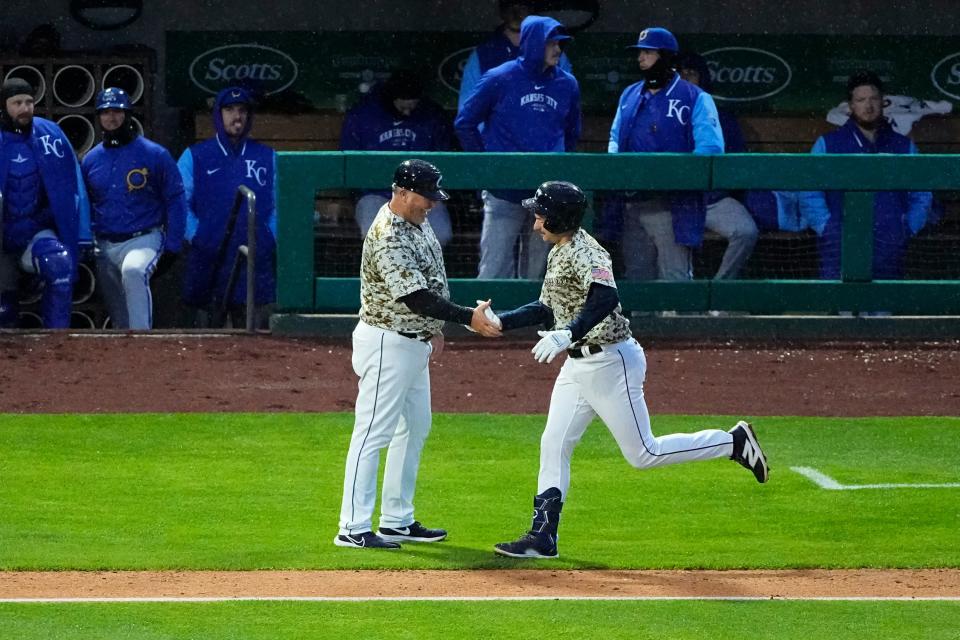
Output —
(551, 344)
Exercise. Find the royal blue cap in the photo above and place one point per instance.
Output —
(656, 38)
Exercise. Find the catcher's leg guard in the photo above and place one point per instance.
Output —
(9, 310)
(55, 266)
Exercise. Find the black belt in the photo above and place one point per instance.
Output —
(578, 352)
(414, 336)
(123, 237)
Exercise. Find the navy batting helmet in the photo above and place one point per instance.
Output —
(656, 38)
(422, 178)
(560, 203)
(113, 98)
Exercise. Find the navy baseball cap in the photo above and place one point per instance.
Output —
(656, 38)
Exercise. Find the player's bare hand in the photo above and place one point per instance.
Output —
(437, 343)
(551, 344)
(481, 322)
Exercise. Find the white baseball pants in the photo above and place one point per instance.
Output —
(609, 384)
(125, 269)
(393, 410)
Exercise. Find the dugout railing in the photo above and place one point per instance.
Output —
(301, 174)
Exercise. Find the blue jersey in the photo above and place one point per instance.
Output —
(58, 199)
(680, 118)
(897, 215)
(135, 187)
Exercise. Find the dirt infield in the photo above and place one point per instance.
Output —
(53, 373)
(805, 583)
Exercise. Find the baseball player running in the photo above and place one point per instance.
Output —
(604, 372)
(404, 301)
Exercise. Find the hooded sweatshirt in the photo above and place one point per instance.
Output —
(522, 106)
(211, 171)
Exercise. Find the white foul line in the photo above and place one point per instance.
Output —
(161, 599)
(824, 481)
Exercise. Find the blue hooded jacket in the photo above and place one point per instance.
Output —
(62, 182)
(211, 171)
(491, 53)
(522, 106)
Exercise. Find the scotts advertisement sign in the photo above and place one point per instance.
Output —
(743, 74)
(450, 70)
(764, 73)
(946, 75)
(268, 69)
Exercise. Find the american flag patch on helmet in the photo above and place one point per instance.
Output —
(601, 273)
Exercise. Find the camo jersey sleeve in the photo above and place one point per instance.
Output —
(571, 268)
(399, 258)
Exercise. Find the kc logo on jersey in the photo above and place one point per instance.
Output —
(257, 173)
(137, 179)
(674, 110)
(55, 147)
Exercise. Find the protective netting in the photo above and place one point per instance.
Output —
(932, 254)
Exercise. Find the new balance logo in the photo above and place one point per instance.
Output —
(750, 453)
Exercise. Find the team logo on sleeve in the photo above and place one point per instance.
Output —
(601, 273)
(137, 179)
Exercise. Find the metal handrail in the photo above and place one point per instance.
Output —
(248, 251)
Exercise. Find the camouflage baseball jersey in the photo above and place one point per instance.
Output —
(571, 268)
(399, 258)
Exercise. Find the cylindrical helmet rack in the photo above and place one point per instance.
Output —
(85, 285)
(79, 131)
(81, 320)
(33, 76)
(73, 85)
(126, 77)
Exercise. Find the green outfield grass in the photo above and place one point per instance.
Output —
(780, 620)
(238, 491)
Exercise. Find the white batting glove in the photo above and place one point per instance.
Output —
(490, 315)
(551, 344)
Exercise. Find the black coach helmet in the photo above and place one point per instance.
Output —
(422, 178)
(560, 203)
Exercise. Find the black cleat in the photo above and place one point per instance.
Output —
(415, 532)
(365, 540)
(531, 545)
(747, 451)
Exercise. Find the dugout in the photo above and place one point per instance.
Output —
(359, 43)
